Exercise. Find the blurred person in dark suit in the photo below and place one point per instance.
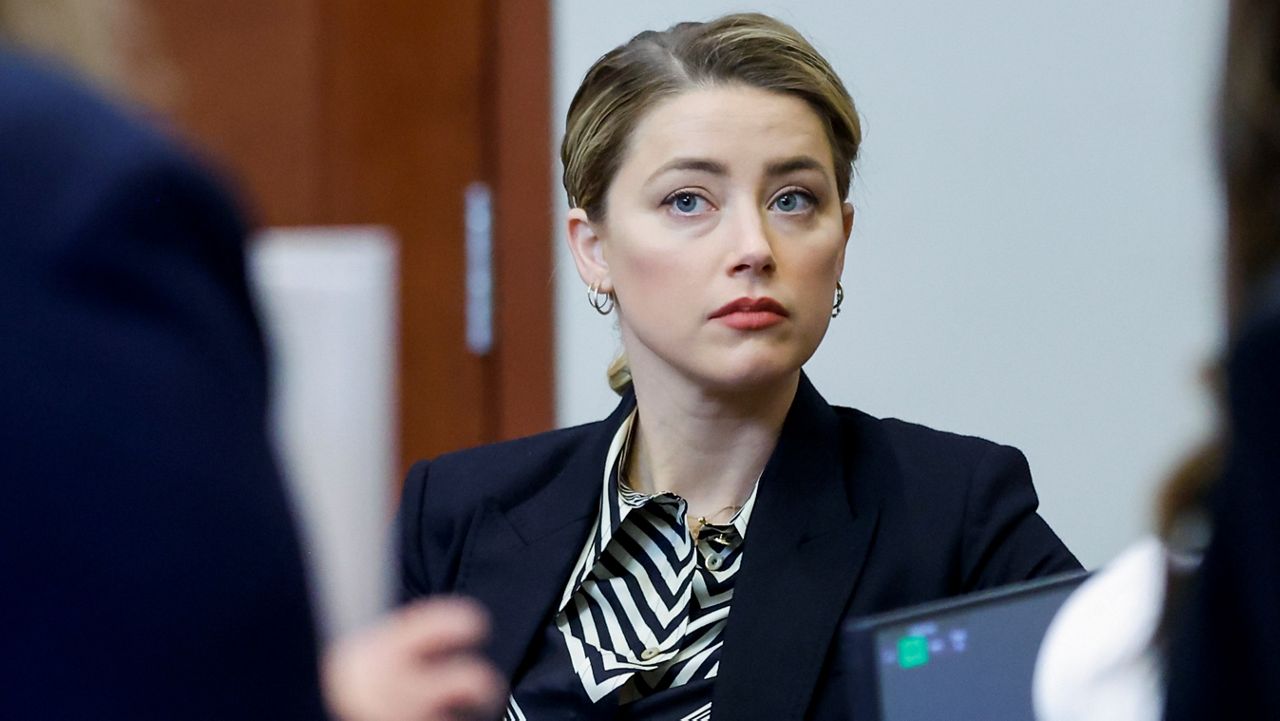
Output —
(1225, 656)
(1187, 627)
(150, 565)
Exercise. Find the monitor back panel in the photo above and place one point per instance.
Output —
(968, 658)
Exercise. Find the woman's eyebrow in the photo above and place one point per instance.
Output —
(699, 164)
(791, 165)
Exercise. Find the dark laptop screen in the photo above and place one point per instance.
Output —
(967, 658)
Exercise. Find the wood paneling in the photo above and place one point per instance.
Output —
(405, 138)
(352, 112)
(247, 88)
(524, 375)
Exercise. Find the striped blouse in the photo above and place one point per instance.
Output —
(641, 620)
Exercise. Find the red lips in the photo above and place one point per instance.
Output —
(750, 313)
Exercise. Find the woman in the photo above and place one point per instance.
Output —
(708, 168)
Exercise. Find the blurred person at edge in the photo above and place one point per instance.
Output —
(1188, 625)
(1225, 654)
(696, 553)
(150, 565)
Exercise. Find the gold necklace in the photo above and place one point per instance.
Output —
(703, 522)
(624, 482)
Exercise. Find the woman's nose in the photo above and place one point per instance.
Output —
(753, 247)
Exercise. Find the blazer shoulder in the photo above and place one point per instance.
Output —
(919, 446)
(973, 491)
(937, 474)
(444, 496)
(505, 472)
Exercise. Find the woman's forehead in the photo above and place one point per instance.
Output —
(731, 125)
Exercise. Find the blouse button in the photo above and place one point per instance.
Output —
(714, 563)
(649, 653)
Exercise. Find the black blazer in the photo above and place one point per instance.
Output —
(149, 567)
(854, 515)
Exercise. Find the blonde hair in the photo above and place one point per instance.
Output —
(741, 49)
(110, 43)
(79, 33)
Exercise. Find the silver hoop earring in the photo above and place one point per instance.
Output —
(602, 302)
(835, 309)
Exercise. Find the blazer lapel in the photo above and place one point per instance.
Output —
(805, 547)
(520, 554)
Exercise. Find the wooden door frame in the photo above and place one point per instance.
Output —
(519, 169)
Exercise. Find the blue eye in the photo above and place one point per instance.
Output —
(685, 202)
(793, 201)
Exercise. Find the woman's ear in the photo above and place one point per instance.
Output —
(846, 211)
(587, 248)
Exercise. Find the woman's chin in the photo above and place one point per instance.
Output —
(724, 372)
(756, 377)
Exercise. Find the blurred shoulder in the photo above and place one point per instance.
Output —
(45, 110)
(66, 152)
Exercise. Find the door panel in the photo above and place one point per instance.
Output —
(342, 112)
(405, 137)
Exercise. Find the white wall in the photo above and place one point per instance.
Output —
(327, 297)
(1035, 254)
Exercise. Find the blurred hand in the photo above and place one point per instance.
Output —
(421, 663)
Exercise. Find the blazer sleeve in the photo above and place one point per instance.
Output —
(413, 575)
(1005, 539)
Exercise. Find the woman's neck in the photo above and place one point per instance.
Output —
(707, 448)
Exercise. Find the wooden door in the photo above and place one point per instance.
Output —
(352, 112)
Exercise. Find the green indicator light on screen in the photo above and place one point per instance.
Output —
(913, 651)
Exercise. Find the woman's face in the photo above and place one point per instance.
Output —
(724, 238)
